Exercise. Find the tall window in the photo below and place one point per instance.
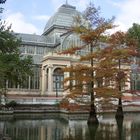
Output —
(31, 82)
(40, 50)
(34, 80)
(30, 49)
(58, 78)
(22, 49)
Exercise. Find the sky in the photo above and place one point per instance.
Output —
(31, 16)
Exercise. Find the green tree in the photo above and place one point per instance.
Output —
(134, 33)
(13, 66)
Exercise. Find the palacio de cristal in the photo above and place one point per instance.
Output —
(48, 76)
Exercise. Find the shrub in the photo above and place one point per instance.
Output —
(11, 104)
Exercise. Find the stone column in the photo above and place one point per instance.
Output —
(43, 90)
(40, 79)
(50, 80)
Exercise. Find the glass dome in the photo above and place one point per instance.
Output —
(62, 18)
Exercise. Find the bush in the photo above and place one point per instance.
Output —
(11, 104)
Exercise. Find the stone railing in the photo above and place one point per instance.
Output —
(35, 100)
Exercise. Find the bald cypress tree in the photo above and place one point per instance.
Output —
(115, 66)
(108, 68)
(90, 28)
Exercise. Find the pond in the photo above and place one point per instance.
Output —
(55, 127)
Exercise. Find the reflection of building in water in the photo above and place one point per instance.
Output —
(36, 130)
(76, 130)
(132, 126)
(135, 130)
(42, 133)
(44, 129)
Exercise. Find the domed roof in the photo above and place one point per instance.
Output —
(62, 18)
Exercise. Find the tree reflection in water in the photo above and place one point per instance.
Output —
(120, 127)
(92, 131)
(56, 129)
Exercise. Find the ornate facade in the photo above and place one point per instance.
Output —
(48, 76)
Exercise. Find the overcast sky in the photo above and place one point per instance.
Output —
(30, 16)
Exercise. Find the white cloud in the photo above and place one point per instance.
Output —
(129, 13)
(42, 17)
(114, 4)
(20, 25)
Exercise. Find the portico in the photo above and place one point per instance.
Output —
(52, 73)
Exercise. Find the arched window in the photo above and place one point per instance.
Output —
(58, 78)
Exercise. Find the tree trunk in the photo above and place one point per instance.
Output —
(119, 113)
(92, 114)
(92, 119)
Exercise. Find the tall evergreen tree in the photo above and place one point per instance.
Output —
(134, 33)
(13, 67)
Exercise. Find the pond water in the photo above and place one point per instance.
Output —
(58, 128)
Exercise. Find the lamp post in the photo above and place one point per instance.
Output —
(56, 86)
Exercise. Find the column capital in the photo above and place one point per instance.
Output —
(44, 67)
(50, 66)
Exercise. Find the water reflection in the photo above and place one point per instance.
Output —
(92, 131)
(58, 129)
(120, 127)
